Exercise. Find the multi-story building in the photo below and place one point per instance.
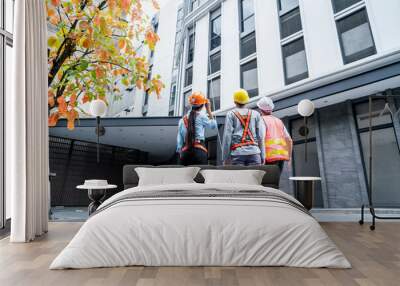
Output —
(334, 52)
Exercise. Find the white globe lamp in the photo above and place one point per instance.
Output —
(98, 108)
(306, 108)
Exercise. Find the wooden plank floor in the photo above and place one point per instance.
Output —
(375, 257)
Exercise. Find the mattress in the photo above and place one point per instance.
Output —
(201, 225)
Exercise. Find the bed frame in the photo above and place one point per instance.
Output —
(271, 177)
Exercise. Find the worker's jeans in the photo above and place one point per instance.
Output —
(246, 160)
(194, 156)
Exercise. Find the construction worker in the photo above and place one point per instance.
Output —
(278, 144)
(190, 141)
(243, 142)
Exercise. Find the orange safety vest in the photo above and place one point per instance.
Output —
(247, 137)
(276, 145)
(196, 144)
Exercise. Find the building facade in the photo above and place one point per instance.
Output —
(334, 52)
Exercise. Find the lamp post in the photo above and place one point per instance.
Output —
(305, 108)
(98, 108)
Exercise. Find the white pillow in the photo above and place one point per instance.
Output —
(166, 176)
(247, 177)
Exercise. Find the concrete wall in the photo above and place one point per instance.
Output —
(322, 44)
(201, 55)
(230, 67)
(269, 55)
(341, 164)
(385, 20)
(163, 58)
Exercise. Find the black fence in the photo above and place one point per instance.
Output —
(73, 161)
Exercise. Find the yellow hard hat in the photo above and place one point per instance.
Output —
(241, 96)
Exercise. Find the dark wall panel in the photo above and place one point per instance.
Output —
(73, 161)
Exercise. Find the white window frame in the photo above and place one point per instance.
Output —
(6, 39)
(291, 38)
(346, 13)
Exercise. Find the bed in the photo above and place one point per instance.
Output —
(199, 224)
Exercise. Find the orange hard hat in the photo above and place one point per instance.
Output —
(197, 98)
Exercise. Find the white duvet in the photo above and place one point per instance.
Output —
(200, 232)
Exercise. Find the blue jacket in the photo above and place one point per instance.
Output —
(202, 122)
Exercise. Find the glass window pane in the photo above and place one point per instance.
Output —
(186, 105)
(215, 33)
(189, 76)
(378, 118)
(290, 23)
(247, 9)
(8, 90)
(249, 78)
(356, 37)
(287, 4)
(248, 45)
(339, 5)
(215, 63)
(385, 168)
(248, 25)
(193, 5)
(295, 61)
(9, 14)
(191, 43)
(214, 93)
(173, 96)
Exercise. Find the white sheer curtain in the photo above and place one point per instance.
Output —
(26, 124)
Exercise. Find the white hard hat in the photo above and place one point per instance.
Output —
(266, 104)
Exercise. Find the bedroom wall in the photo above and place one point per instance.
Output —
(341, 162)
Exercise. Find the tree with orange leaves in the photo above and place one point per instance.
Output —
(94, 52)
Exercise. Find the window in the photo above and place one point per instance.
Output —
(339, 5)
(172, 100)
(215, 63)
(290, 23)
(293, 49)
(247, 16)
(248, 45)
(386, 155)
(189, 76)
(6, 71)
(295, 61)
(186, 105)
(301, 167)
(193, 5)
(285, 5)
(249, 78)
(215, 29)
(355, 36)
(214, 93)
(191, 39)
(247, 27)
(190, 56)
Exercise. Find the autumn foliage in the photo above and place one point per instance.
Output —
(94, 52)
